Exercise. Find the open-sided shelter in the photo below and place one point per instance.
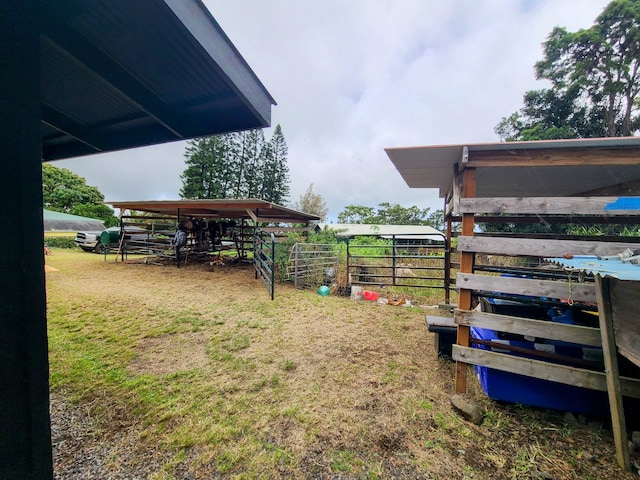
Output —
(587, 182)
(259, 211)
(78, 78)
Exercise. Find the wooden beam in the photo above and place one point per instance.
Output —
(529, 327)
(610, 354)
(543, 206)
(581, 292)
(564, 219)
(284, 229)
(550, 157)
(539, 247)
(626, 313)
(577, 377)
(466, 265)
(252, 215)
(277, 220)
(465, 158)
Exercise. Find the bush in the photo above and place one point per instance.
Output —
(59, 242)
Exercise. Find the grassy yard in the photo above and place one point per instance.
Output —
(192, 373)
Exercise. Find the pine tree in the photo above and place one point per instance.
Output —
(276, 170)
(237, 165)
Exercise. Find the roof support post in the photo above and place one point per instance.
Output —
(25, 433)
(466, 266)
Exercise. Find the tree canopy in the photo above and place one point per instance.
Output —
(237, 165)
(595, 81)
(313, 203)
(392, 214)
(64, 191)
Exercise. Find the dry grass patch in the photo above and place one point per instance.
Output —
(192, 373)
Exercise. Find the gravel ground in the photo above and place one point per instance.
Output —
(80, 451)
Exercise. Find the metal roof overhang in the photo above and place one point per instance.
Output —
(117, 74)
(407, 232)
(526, 169)
(258, 210)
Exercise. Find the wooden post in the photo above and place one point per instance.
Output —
(610, 351)
(466, 266)
(25, 436)
(447, 256)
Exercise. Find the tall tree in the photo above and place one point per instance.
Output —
(64, 191)
(313, 203)
(237, 165)
(275, 169)
(207, 173)
(253, 160)
(357, 214)
(391, 214)
(595, 81)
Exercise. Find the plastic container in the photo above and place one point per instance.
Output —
(368, 295)
(511, 387)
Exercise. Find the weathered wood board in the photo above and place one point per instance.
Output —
(582, 292)
(625, 309)
(529, 327)
(578, 377)
(542, 206)
(532, 247)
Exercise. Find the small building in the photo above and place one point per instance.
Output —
(65, 224)
(403, 234)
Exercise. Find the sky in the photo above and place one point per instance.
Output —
(352, 77)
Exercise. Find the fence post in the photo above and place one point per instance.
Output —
(393, 258)
(273, 265)
(295, 265)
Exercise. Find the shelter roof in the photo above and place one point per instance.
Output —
(118, 74)
(408, 232)
(65, 222)
(255, 209)
(554, 168)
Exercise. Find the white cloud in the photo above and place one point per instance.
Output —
(351, 78)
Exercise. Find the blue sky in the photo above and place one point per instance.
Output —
(353, 77)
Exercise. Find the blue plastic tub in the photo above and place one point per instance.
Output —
(511, 387)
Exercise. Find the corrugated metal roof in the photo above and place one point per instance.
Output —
(408, 232)
(218, 208)
(435, 166)
(118, 74)
(596, 266)
(65, 222)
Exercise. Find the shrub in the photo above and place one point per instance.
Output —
(59, 242)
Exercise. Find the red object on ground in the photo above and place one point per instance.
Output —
(370, 295)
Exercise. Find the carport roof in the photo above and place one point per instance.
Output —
(117, 74)
(257, 210)
(406, 232)
(65, 222)
(552, 168)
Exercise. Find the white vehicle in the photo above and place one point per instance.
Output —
(91, 241)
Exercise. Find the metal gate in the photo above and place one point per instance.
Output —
(399, 263)
(264, 253)
(313, 263)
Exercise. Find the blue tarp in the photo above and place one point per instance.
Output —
(624, 203)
